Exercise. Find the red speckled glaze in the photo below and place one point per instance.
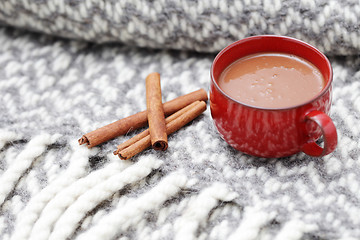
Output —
(277, 132)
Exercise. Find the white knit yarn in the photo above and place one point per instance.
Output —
(132, 212)
(32, 211)
(294, 230)
(68, 195)
(68, 222)
(23, 161)
(254, 219)
(198, 209)
(7, 136)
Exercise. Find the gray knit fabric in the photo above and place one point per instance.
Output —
(201, 25)
(53, 90)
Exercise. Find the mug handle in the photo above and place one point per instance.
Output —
(329, 133)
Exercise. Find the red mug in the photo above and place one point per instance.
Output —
(273, 132)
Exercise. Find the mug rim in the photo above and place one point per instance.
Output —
(317, 96)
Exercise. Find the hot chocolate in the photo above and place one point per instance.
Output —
(271, 80)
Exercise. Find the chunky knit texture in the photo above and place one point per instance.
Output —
(201, 25)
(53, 90)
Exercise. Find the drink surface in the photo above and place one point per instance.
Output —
(271, 80)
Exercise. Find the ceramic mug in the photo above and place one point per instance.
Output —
(273, 132)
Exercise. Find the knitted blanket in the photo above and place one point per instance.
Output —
(68, 67)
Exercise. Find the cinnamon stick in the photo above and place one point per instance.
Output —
(133, 122)
(146, 132)
(177, 121)
(155, 112)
